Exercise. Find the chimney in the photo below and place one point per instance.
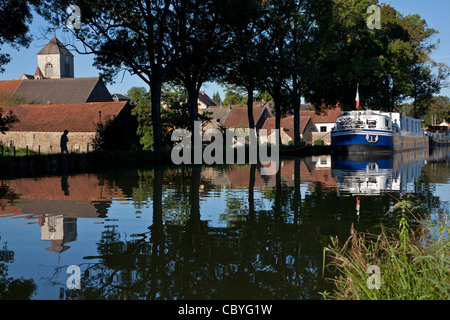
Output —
(202, 92)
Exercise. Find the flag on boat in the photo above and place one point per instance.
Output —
(357, 97)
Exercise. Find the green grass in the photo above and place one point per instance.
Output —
(9, 152)
(414, 263)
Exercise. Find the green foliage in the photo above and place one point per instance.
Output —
(434, 110)
(414, 262)
(234, 95)
(9, 151)
(390, 64)
(319, 143)
(141, 99)
(14, 31)
(109, 136)
(217, 99)
(174, 115)
(301, 144)
(8, 101)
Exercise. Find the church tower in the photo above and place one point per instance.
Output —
(55, 61)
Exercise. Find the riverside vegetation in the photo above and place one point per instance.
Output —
(414, 260)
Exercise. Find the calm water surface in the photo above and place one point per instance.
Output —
(201, 233)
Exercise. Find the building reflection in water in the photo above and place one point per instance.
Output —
(57, 203)
(58, 231)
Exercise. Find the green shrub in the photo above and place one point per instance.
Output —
(319, 143)
(291, 143)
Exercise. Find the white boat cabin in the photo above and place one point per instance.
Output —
(377, 120)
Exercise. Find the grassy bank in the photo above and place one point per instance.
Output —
(412, 263)
(96, 161)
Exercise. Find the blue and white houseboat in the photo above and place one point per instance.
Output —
(368, 131)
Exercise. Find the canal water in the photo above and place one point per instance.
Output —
(202, 232)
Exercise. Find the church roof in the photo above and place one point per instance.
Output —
(38, 73)
(55, 47)
(65, 90)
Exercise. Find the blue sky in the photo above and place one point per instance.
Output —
(435, 12)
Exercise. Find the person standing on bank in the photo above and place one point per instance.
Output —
(64, 140)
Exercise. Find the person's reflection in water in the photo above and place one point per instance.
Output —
(64, 184)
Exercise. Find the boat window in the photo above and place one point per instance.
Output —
(359, 124)
(386, 123)
(372, 123)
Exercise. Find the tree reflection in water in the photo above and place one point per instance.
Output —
(258, 257)
(264, 252)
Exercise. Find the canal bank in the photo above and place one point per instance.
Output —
(43, 164)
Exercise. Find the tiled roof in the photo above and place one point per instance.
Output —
(218, 113)
(326, 116)
(66, 90)
(9, 86)
(55, 47)
(206, 100)
(287, 124)
(38, 73)
(238, 117)
(77, 117)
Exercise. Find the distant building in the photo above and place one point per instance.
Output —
(237, 119)
(325, 120)
(204, 101)
(57, 91)
(53, 100)
(307, 127)
(120, 97)
(54, 62)
(41, 126)
(218, 116)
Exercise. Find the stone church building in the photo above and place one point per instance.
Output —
(53, 100)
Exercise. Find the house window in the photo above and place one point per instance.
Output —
(48, 70)
(323, 129)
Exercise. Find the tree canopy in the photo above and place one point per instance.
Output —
(318, 50)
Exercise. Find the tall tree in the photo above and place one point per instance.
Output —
(125, 36)
(200, 41)
(388, 63)
(234, 95)
(302, 21)
(245, 69)
(216, 98)
(15, 19)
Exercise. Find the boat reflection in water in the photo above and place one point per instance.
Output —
(369, 175)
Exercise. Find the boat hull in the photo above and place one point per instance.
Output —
(362, 142)
(437, 142)
(367, 142)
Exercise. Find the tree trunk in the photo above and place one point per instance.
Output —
(193, 104)
(158, 138)
(296, 100)
(277, 100)
(251, 120)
